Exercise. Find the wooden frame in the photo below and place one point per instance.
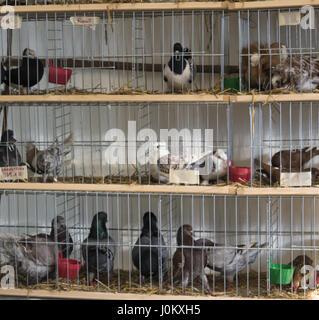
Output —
(166, 6)
(161, 189)
(55, 294)
(157, 98)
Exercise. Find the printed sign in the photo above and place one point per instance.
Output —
(13, 173)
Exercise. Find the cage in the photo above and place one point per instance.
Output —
(118, 51)
(116, 142)
(257, 229)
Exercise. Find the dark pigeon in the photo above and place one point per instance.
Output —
(149, 253)
(98, 249)
(232, 260)
(60, 233)
(9, 154)
(27, 75)
(189, 262)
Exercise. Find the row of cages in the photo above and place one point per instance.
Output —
(274, 144)
(160, 244)
(175, 51)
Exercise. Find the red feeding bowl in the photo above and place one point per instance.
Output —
(239, 174)
(68, 268)
(58, 75)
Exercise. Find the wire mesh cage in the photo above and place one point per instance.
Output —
(119, 51)
(284, 143)
(278, 49)
(230, 244)
(117, 142)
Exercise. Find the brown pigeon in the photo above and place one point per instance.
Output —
(189, 262)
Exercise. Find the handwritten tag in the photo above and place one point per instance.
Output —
(88, 22)
(13, 173)
(295, 179)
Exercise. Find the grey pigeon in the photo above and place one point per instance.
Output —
(232, 260)
(59, 233)
(98, 249)
(49, 161)
(9, 154)
(190, 261)
(35, 257)
(149, 254)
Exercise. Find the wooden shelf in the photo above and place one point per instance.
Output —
(166, 6)
(156, 98)
(125, 188)
(55, 294)
(161, 189)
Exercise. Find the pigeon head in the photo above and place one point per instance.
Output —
(98, 226)
(8, 137)
(185, 231)
(58, 223)
(177, 47)
(159, 150)
(149, 221)
(28, 53)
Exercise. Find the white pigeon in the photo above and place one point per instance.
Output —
(161, 161)
(216, 166)
(179, 73)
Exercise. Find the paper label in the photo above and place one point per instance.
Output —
(13, 173)
(88, 22)
(289, 18)
(295, 179)
(184, 176)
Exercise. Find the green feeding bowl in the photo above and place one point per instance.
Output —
(232, 84)
(281, 273)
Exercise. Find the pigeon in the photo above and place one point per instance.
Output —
(35, 257)
(189, 262)
(27, 75)
(51, 160)
(98, 249)
(162, 161)
(217, 166)
(179, 73)
(9, 154)
(273, 172)
(298, 263)
(229, 261)
(60, 233)
(296, 73)
(149, 254)
(293, 159)
(257, 73)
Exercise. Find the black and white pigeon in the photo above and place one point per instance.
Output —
(34, 257)
(51, 160)
(179, 73)
(59, 233)
(149, 254)
(229, 261)
(98, 249)
(27, 75)
(9, 153)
